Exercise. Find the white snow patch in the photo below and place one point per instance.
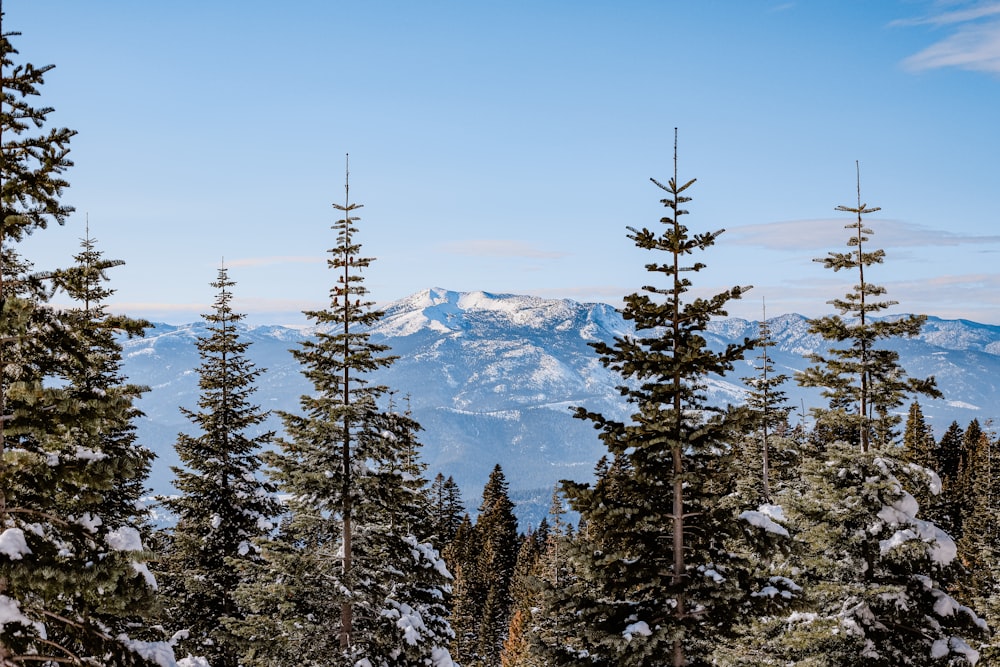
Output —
(10, 612)
(13, 544)
(639, 628)
(159, 653)
(125, 538)
(765, 517)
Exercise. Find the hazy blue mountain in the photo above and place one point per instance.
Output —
(492, 378)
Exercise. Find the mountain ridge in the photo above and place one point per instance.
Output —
(491, 378)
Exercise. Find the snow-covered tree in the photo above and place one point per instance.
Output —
(74, 584)
(223, 508)
(875, 575)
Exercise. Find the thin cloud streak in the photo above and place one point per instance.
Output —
(498, 248)
(823, 234)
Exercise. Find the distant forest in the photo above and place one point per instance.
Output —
(708, 536)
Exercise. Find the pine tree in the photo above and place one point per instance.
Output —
(346, 578)
(658, 580)
(979, 546)
(920, 448)
(446, 508)
(864, 383)
(73, 576)
(949, 456)
(876, 576)
(760, 450)
(484, 557)
(222, 509)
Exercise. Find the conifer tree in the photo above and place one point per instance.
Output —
(876, 576)
(446, 508)
(658, 582)
(920, 448)
(864, 383)
(346, 579)
(484, 556)
(222, 509)
(73, 576)
(759, 449)
(949, 456)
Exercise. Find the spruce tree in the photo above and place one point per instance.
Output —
(484, 556)
(347, 579)
(863, 383)
(658, 580)
(223, 508)
(74, 584)
(446, 508)
(877, 577)
(763, 449)
(949, 456)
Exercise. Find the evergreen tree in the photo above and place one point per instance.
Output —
(73, 576)
(658, 580)
(484, 556)
(346, 579)
(920, 448)
(223, 509)
(875, 575)
(446, 508)
(979, 546)
(864, 384)
(949, 455)
(760, 450)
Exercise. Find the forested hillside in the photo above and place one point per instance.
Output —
(719, 521)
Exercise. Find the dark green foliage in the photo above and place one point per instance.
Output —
(483, 557)
(658, 582)
(446, 508)
(73, 577)
(222, 509)
(348, 576)
(864, 384)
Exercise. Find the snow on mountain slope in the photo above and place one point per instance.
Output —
(492, 378)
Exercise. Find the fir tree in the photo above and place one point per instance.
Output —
(484, 556)
(949, 456)
(920, 448)
(73, 576)
(658, 580)
(876, 575)
(222, 509)
(346, 578)
(759, 450)
(864, 383)
(446, 508)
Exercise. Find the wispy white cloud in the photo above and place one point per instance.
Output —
(498, 248)
(972, 39)
(824, 234)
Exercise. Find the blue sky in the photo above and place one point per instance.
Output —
(506, 146)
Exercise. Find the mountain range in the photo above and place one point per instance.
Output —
(492, 379)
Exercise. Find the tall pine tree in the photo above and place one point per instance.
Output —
(863, 382)
(222, 509)
(348, 578)
(658, 580)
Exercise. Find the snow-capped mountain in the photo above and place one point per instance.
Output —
(492, 378)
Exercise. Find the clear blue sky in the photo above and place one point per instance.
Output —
(505, 146)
